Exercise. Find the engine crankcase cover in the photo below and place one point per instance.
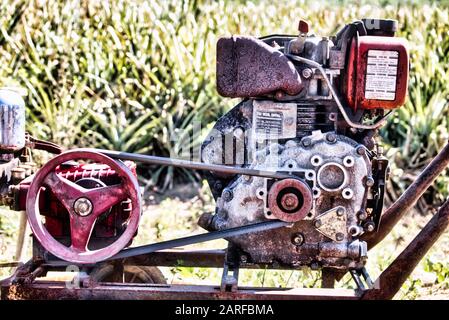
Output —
(334, 171)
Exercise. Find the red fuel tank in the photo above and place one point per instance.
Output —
(377, 73)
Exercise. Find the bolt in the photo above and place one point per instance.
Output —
(298, 239)
(289, 201)
(317, 223)
(227, 195)
(279, 95)
(238, 133)
(369, 226)
(360, 150)
(339, 236)
(83, 206)
(340, 212)
(307, 73)
(369, 182)
(306, 142)
(362, 215)
(243, 258)
(247, 178)
(331, 137)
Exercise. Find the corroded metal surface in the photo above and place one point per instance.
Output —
(248, 67)
(111, 291)
(392, 278)
(408, 199)
(81, 225)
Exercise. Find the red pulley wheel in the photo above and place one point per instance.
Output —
(84, 207)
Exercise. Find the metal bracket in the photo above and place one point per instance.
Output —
(357, 275)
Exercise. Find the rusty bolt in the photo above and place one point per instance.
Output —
(306, 142)
(339, 236)
(369, 181)
(362, 215)
(303, 26)
(369, 226)
(340, 212)
(331, 137)
(289, 201)
(83, 206)
(317, 223)
(227, 195)
(298, 239)
(360, 150)
(307, 73)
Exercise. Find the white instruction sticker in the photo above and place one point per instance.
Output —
(273, 120)
(381, 74)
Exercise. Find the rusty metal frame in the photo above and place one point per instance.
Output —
(23, 284)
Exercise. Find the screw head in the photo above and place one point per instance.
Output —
(306, 142)
(307, 73)
(340, 212)
(369, 181)
(331, 137)
(298, 239)
(362, 215)
(369, 226)
(360, 150)
(339, 236)
(317, 223)
(83, 207)
(227, 195)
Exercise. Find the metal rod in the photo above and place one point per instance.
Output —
(189, 164)
(392, 278)
(408, 199)
(232, 232)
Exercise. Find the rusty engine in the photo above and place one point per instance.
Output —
(305, 132)
(311, 108)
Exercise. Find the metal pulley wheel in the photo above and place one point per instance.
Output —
(84, 207)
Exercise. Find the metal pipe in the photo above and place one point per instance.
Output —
(408, 199)
(392, 278)
(189, 164)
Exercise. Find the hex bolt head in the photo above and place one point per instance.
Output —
(331, 137)
(369, 226)
(298, 239)
(362, 215)
(306, 142)
(369, 181)
(317, 223)
(340, 212)
(83, 207)
(227, 195)
(360, 150)
(307, 73)
(339, 236)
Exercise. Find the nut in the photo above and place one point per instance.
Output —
(360, 150)
(306, 142)
(340, 211)
(339, 236)
(307, 73)
(331, 137)
(83, 206)
(369, 181)
(298, 239)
